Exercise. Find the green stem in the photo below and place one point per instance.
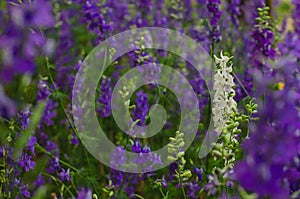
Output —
(60, 101)
(240, 83)
(181, 184)
(52, 156)
(162, 193)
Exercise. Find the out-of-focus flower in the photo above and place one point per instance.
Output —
(214, 17)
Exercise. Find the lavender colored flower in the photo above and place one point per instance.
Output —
(192, 189)
(35, 14)
(40, 180)
(31, 144)
(235, 12)
(24, 117)
(296, 16)
(117, 12)
(74, 140)
(53, 165)
(104, 99)
(215, 15)
(26, 162)
(273, 140)
(84, 194)
(24, 191)
(95, 19)
(50, 109)
(142, 107)
(64, 175)
(18, 45)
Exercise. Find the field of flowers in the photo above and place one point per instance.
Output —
(225, 112)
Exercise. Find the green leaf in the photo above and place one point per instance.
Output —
(30, 93)
(41, 192)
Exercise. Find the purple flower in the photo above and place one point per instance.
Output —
(74, 140)
(84, 194)
(50, 109)
(24, 191)
(35, 14)
(264, 179)
(215, 15)
(26, 162)
(18, 44)
(40, 180)
(95, 19)
(296, 16)
(192, 189)
(104, 99)
(64, 175)
(31, 144)
(141, 109)
(24, 118)
(198, 172)
(235, 11)
(53, 165)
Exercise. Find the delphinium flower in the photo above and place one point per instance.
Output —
(235, 12)
(176, 154)
(192, 189)
(224, 104)
(63, 58)
(141, 108)
(95, 19)
(296, 16)
(24, 117)
(225, 114)
(143, 9)
(160, 19)
(50, 109)
(84, 194)
(214, 17)
(263, 36)
(273, 142)
(118, 14)
(176, 14)
(65, 41)
(104, 100)
(26, 162)
(21, 39)
(139, 55)
(120, 181)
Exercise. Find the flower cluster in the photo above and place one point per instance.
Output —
(254, 104)
(224, 103)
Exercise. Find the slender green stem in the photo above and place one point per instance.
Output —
(240, 83)
(162, 193)
(181, 184)
(60, 101)
(52, 156)
(58, 181)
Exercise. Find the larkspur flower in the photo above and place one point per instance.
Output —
(215, 15)
(104, 99)
(26, 162)
(18, 45)
(223, 103)
(235, 11)
(142, 107)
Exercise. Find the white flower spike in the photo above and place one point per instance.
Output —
(223, 103)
